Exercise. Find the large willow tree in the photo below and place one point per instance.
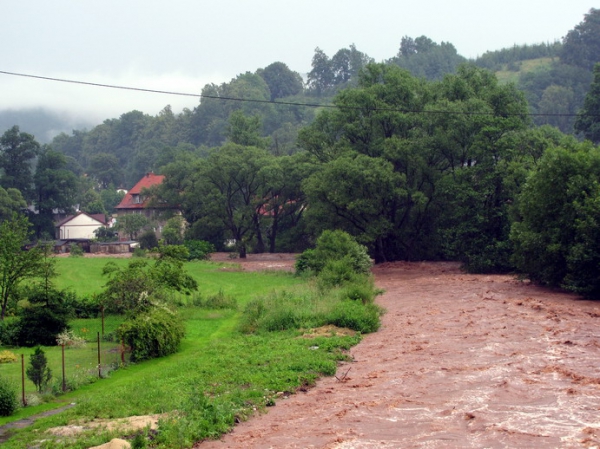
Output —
(391, 155)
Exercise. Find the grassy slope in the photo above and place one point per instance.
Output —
(214, 359)
(509, 76)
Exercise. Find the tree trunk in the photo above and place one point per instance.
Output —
(242, 250)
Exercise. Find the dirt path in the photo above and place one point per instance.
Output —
(461, 361)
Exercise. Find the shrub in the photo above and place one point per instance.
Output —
(139, 252)
(85, 307)
(7, 357)
(75, 250)
(361, 290)
(220, 301)
(199, 249)
(199, 418)
(40, 324)
(151, 334)
(9, 332)
(70, 340)
(38, 371)
(356, 316)
(8, 398)
(334, 246)
(253, 312)
(148, 240)
(336, 273)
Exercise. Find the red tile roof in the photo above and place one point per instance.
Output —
(149, 180)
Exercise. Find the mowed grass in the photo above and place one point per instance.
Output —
(218, 377)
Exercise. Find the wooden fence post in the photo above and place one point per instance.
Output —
(99, 361)
(23, 380)
(64, 383)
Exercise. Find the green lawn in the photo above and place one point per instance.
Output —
(218, 376)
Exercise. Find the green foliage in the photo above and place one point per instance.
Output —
(495, 60)
(9, 332)
(288, 310)
(282, 82)
(131, 224)
(104, 234)
(8, 398)
(362, 318)
(7, 357)
(581, 45)
(428, 59)
(199, 249)
(75, 250)
(40, 324)
(340, 250)
(588, 119)
(139, 441)
(219, 301)
(148, 240)
(174, 230)
(11, 202)
(154, 333)
(200, 418)
(233, 185)
(339, 272)
(17, 264)
(17, 152)
(141, 285)
(127, 288)
(38, 371)
(362, 290)
(556, 235)
(174, 253)
(139, 253)
(55, 188)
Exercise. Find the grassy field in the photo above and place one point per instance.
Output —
(218, 377)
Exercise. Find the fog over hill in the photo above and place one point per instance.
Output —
(43, 123)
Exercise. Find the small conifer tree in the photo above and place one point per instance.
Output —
(38, 371)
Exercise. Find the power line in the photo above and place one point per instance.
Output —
(285, 103)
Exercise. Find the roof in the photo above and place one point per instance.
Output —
(149, 180)
(98, 217)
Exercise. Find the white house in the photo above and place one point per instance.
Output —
(80, 226)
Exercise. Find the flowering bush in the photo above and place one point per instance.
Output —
(7, 357)
(70, 340)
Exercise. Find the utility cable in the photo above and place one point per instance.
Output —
(285, 103)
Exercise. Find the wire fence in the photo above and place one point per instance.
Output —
(71, 367)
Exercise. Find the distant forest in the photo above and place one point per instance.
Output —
(553, 80)
(427, 155)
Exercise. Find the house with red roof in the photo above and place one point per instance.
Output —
(136, 201)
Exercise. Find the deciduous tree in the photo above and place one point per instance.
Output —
(17, 152)
(16, 263)
(588, 119)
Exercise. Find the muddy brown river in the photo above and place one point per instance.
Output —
(461, 361)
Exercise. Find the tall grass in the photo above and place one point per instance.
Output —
(350, 306)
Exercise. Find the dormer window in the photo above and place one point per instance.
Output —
(136, 199)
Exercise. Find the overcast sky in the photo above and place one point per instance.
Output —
(182, 45)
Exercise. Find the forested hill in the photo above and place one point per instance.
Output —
(554, 77)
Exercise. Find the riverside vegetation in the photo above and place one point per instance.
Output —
(243, 349)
